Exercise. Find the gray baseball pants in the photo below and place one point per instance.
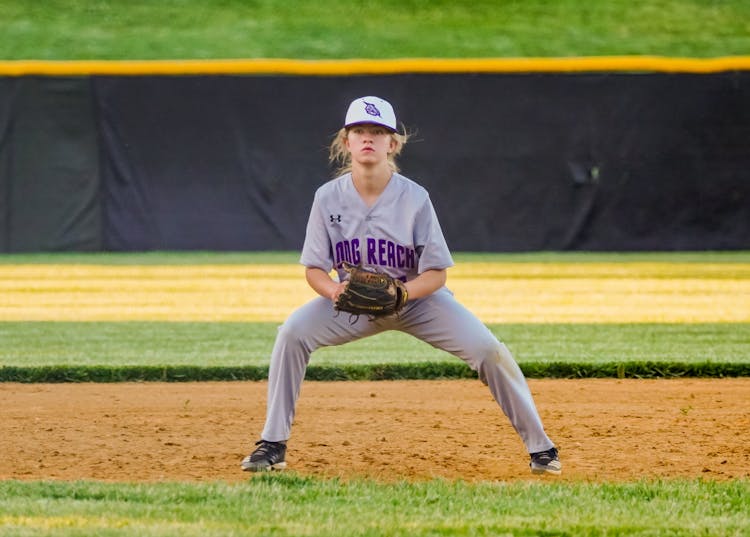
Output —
(438, 319)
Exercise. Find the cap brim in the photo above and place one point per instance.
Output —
(370, 123)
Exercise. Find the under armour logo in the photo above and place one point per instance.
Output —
(335, 218)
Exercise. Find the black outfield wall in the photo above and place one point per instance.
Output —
(49, 173)
(514, 162)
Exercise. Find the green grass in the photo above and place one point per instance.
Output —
(310, 29)
(106, 352)
(116, 344)
(288, 505)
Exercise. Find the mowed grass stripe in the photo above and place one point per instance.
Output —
(532, 292)
(288, 504)
(236, 345)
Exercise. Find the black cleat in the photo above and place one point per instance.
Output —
(267, 456)
(546, 462)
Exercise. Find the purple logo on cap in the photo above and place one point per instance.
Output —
(372, 109)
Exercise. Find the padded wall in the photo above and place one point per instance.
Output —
(514, 162)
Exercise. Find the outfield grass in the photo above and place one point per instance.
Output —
(35, 344)
(173, 315)
(547, 291)
(282, 505)
(290, 505)
(309, 29)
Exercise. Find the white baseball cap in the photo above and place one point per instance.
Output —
(371, 110)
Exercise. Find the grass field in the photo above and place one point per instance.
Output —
(292, 506)
(599, 290)
(89, 29)
(139, 343)
(110, 309)
(222, 310)
(52, 307)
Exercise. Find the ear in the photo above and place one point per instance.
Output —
(393, 145)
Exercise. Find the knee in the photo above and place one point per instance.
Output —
(498, 361)
(493, 354)
(291, 331)
(297, 331)
(492, 351)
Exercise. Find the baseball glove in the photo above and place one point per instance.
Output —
(371, 293)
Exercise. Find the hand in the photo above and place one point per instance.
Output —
(322, 283)
(337, 290)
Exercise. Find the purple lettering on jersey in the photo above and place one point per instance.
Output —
(346, 251)
(356, 256)
(371, 260)
(410, 258)
(391, 254)
(339, 252)
(381, 252)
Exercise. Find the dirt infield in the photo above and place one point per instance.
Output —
(606, 429)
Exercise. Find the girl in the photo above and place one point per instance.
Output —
(372, 216)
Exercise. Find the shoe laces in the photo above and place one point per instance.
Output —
(550, 454)
(268, 449)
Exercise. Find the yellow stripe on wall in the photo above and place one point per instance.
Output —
(374, 67)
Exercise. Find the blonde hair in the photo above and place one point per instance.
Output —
(340, 157)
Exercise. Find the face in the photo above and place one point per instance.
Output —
(369, 143)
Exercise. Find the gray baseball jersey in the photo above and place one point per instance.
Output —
(399, 234)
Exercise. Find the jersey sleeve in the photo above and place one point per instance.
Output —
(316, 251)
(429, 240)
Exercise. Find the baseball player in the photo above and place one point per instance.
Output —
(373, 217)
